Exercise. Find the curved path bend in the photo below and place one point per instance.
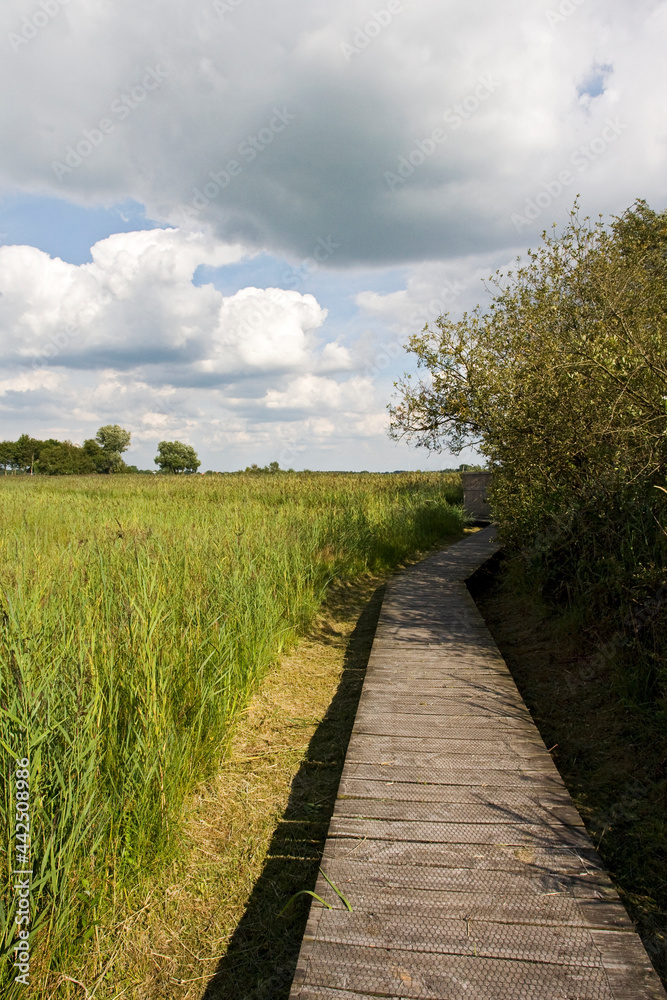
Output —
(468, 868)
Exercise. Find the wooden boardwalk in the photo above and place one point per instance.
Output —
(469, 871)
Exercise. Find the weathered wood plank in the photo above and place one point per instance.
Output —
(456, 812)
(505, 745)
(451, 729)
(408, 791)
(429, 932)
(511, 834)
(325, 993)
(366, 753)
(513, 777)
(422, 976)
(498, 903)
(512, 908)
(431, 860)
(467, 713)
(511, 888)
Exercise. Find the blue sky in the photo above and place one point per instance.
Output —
(220, 223)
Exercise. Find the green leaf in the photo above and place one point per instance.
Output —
(337, 891)
(305, 892)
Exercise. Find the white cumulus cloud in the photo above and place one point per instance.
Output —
(135, 308)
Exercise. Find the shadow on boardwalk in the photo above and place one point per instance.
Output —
(261, 958)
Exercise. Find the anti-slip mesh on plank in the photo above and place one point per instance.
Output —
(467, 867)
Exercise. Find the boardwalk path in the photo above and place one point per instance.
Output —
(467, 866)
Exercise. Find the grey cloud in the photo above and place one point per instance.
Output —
(324, 172)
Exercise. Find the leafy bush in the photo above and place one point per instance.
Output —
(562, 384)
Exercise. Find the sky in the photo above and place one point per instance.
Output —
(220, 221)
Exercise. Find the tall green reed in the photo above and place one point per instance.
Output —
(137, 616)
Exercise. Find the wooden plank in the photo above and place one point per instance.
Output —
(556, 910)
(377, 698)
(452, 729)
(436, 666)
(443, 745)
(435, 669)
(358, 880)
(456, 812)
(447, 705)
(394, 972)
(397, 682)
(463, 713)
(627, 965)
(429, 932)
(508, 777)
(423, 710)
(325, 993)
(363, 853)
(408, 791)
(499, 903)
(365, 753)
(511, 834)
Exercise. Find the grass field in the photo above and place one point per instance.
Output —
(137, 617)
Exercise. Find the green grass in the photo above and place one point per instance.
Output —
(137, 615)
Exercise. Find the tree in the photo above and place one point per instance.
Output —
(113, 441)
(271, 467)
(21, 455)
(7, 455)
(561, 383)
(26, 452)
(96, 455)
(564, 377)
(62, 458)
(173, 456)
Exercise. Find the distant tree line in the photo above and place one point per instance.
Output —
(102, 454)
(271, 467)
